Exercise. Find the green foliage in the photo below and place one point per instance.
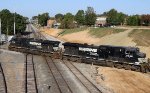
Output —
(8, 22)
(133, 20)
(100, 32)
(90, 16)
(34, 17)
(68, 21)
(69, 31)
(80, 17)
(145, 20)
(115, 18)
(42, 19)
(59, 17)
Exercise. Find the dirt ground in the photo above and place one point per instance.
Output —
(80, 37)
(121, 81)
(51, 32)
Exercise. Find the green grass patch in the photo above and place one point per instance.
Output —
(100, 32)
(69, 31)
(141, 36)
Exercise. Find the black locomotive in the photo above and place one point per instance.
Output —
(106, 55)
(33, 46)
(113, 56)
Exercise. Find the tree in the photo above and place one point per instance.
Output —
(68, 21)
(90, 16)
(115, 18)
(145, 20)
(42, 19)
(8, 21)
(80, 17)
(34, 17)
(133, 20)
(59, 17)
(121, 18)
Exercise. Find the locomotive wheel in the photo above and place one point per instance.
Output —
(119, 66)
(143, 68)
(136, 68)
(147, 70)
(127, 67)
(79, 60)
(110, 64)
(73, 59)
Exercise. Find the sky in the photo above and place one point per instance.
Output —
(31, 8)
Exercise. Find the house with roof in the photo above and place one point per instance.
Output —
(101, 21)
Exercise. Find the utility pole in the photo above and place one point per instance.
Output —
(14, 24)
(7, 30)
(0, 31)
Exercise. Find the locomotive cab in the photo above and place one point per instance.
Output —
(50, 46)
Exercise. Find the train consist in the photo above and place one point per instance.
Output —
(129, 58)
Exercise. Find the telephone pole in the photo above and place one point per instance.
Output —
(0, 31)
(14, 24)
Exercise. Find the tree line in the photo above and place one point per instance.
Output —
(7, 22)
(88, 18)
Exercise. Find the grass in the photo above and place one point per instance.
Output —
(100, 32)
(69, 31)
(96, 32)
(141, 36)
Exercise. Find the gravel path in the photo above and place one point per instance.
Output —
(13, 65)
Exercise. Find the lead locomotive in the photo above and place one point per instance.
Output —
(113, 56)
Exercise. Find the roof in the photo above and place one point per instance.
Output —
(25, 33)
(79, 45)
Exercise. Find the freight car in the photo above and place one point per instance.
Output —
(105, 55)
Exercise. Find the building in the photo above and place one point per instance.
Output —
(53, 24)
(50, 23)
(101, 21)
(34, 21)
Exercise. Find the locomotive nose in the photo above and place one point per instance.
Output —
(141, 55)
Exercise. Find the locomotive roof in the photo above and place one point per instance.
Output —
(50, 42)
(123, 47)
(79, 45)
(25, 33)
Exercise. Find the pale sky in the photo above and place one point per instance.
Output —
(30, 8)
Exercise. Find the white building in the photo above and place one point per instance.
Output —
(101, 21)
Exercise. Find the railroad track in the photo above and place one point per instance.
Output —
(3, 85)
(30, 77)
(82, 78)
(62, 85)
